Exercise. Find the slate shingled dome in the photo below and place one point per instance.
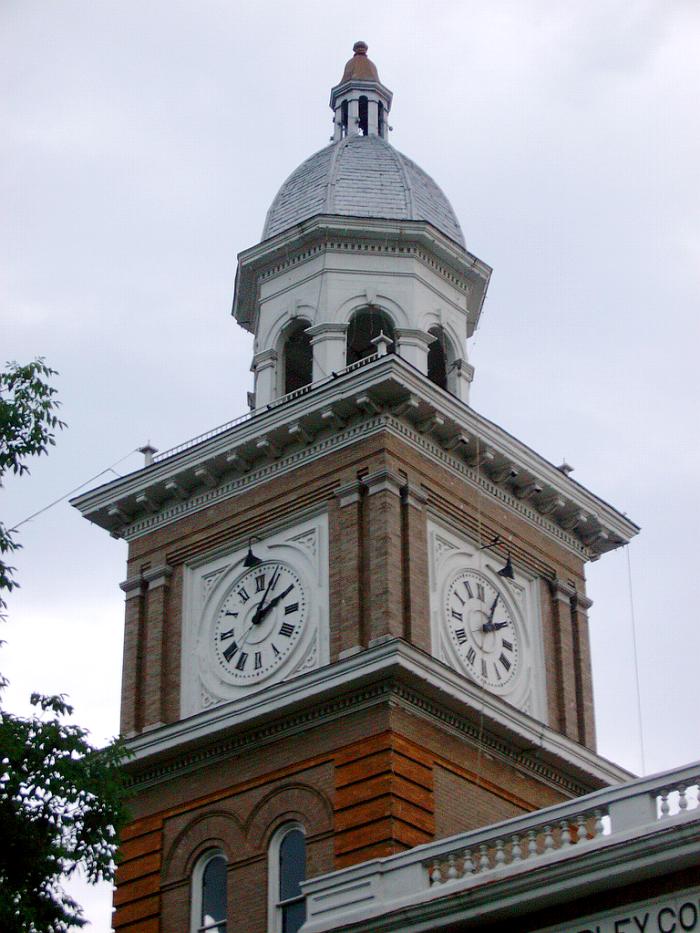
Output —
(361, 176)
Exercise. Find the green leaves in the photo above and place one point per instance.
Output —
(60, 807)
(60, 797)
(28, 422)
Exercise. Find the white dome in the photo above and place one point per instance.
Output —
(361, 176)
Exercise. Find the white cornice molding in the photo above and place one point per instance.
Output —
(385, 392)
(395, 672)
(321, 232)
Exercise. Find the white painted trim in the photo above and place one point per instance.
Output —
(387, 379)
(196, 883)
(274, 910)
(393, 670)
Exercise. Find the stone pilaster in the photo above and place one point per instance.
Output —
(562, 594)
(384, 613)
(414, 544)
(584, 681)
(412, 346)
(155, 658)
(347, 578)
(265, 369)
(328, 345)
(131, 720)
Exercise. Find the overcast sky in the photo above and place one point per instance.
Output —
(141, 145)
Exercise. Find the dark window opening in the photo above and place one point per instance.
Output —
(292, 871)
(364, 327)
(380, 119)
(437, 358)
(298, 359)
(344, 118)
(213, 913)
(363, 114)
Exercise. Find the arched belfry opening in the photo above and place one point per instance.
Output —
(365, 326)
(297, 357)
(363, 115)
(438, 357)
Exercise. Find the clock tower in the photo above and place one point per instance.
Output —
(356, 617)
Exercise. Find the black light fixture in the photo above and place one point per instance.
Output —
(507, 571)
(251, 560)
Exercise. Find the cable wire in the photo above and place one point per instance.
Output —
(77, 489)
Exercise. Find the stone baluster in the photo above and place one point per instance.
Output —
(516, 854)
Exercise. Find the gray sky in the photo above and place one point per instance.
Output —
(142, 144)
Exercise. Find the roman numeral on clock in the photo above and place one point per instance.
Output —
(480, 592)
(468, 588)
(260, 583)
(507, 644)
(258, 660)
(231, 650)
(286, 629)
(504, 661)
(240, 663)
(292, 607)
(224, 635)
(243, 594)
(456, 615)
(461, 636)
(471, 655)
(484, 671)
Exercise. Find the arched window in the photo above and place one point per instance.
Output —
(365, 325)
(437, 358)
(287, 869)
(363, 115)
(298, 358)
(209, 893)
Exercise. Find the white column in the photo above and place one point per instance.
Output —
(459, 379)
(353, 116)
(372, 118)
(412, 346)
(265, 368)
(337, 128)
(328, 345)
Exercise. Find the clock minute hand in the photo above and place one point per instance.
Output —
(261, 610)
(488, 626)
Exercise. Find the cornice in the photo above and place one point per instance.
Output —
(332, 233)
(392, 672)
(382, 393)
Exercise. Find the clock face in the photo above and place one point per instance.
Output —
(259, 622)
(482, 630)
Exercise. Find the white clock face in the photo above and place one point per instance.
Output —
(259, 622)
(482, 630)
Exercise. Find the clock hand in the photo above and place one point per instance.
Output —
(488, 626)
(493, 608)
(273, 602)
(495, 626)
(260, 612)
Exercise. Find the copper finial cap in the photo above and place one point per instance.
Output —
(360, 68)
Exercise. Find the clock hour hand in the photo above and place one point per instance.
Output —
(273, 602)
(495, 626)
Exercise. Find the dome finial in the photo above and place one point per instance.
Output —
(360, 101)
(360, 68)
